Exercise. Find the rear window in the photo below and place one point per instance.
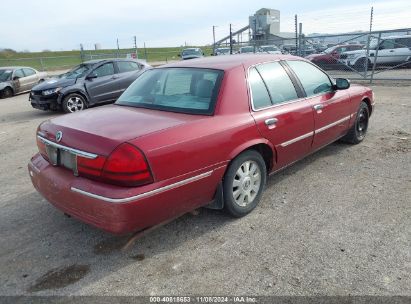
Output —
(186, 90)
(127, 66)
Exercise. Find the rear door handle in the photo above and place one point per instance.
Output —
(271, 121)
(318, 107)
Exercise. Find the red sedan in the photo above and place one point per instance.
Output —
(191, 134)
(330, 57)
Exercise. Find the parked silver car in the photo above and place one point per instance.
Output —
(15, 80)
(392, 50)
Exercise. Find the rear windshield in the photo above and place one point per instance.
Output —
(191, 52)
(269, 48)
(185, 90)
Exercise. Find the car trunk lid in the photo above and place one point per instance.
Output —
(101, 130)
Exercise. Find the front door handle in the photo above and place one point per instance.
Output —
(271, 121)
(318, 107)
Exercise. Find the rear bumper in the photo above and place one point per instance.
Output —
(121, 210)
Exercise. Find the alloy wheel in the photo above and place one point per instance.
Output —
(362, 123)
(75, 104)
(246, 183)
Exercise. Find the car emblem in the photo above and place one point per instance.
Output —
(59, 136)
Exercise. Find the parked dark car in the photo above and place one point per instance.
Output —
(331, 56)
(16, 80)
(90, 83)
(191, 133)
(191, 53)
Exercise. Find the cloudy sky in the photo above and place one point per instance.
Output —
(63, 25)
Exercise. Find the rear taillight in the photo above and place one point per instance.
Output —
(125, 166)
(90, 167)
(42, 148)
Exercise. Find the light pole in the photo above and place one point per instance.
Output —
(214, 26)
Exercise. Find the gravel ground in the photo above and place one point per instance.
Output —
(336, 223)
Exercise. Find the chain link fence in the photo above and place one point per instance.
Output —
(369, 56)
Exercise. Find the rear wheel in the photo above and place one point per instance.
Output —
(359, 129)
(6, 93)
(74, 103)
(244, 182)
(361, 65)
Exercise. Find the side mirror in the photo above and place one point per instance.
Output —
(16, 78)
(91, 76)
(342, 83)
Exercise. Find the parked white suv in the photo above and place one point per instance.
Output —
(391, 50)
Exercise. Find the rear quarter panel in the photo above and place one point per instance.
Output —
(359, 93)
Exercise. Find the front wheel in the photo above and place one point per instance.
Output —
(6, 93)
(243, 183)
(359, 129)
(74, 103)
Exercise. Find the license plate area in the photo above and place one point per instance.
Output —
(62, 158)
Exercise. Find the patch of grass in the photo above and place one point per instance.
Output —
(49, 60)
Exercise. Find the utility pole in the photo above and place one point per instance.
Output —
(118, 49)
(81, 52)
(296, 33)
(214, 39)
(231, 40)
(135, 46)
(300, 36)
(368, 43)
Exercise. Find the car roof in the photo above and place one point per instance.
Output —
(15, 67)
(95, 61)
(396, 37)
(228, 62)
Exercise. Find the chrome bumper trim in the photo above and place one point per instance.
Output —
(285, 144)
(332, 124)
(71, 150)
(145, 194)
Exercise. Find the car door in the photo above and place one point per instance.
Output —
(386, 51)
(100, 83)
(127, 72)
(402, 49)
(280, 112)
(330, 106)
(19, 81)
(30, 77)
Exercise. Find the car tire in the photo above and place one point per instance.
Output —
(359, 129)
(244, 183)
(6, 92)
(361, 66)
(74, 103)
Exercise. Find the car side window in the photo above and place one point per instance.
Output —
(104, 70)
(387, 44)
(127, 66)
(18, 74)
(259, 93)
(278, 82)
(29, 72)
(313, 80)
(402, 43)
